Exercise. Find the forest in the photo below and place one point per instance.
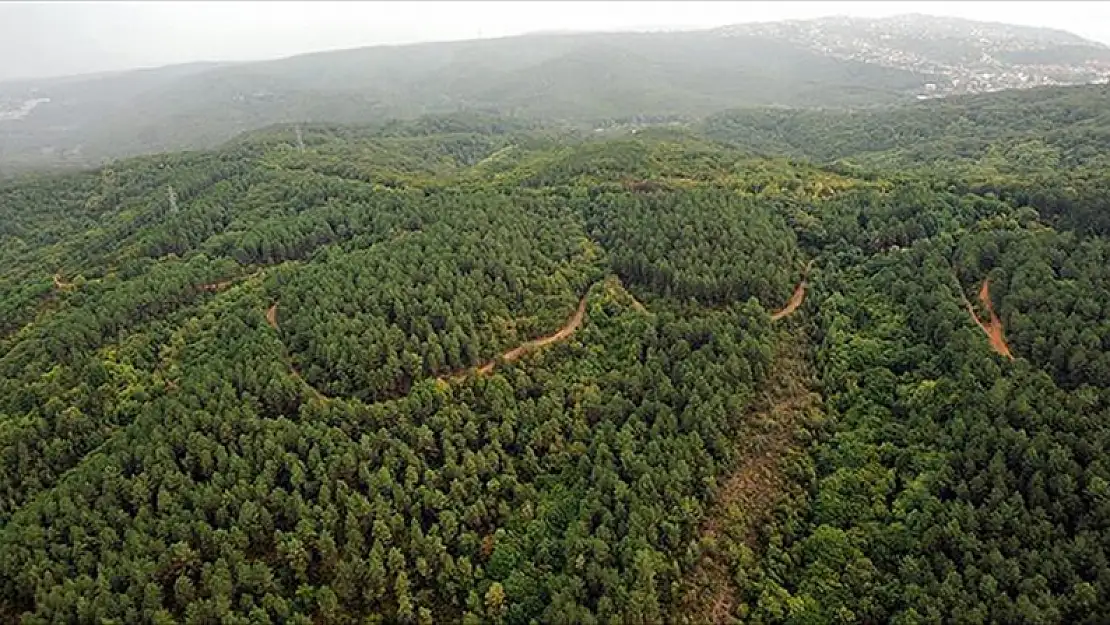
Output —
(465, 369)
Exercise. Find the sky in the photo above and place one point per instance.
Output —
(40, 39)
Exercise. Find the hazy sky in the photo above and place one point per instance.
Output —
(59, 38)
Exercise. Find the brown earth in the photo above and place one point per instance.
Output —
(637, 305)
(219, 286)
(993, 328)
(271, 316)
(61, 284)
(515, 353)
(216, 286)
(748, 495)
(796, 299)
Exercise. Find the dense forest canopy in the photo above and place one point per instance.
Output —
(470, 369)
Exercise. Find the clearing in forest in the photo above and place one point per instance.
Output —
(748, 496)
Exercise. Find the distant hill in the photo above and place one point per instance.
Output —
(588, 79)
(966, 56)
(1071, 122)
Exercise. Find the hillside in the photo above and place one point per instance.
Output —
(964, 56)
(587, 80)
(467, 369)
(1043, 147)
(1072, 121)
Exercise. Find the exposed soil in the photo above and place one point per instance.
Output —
(271, 316)
(219, 286)
(748, 496)
(61, 284)
(637, 305)
(993, 328)
(515, 353)
(796, 299)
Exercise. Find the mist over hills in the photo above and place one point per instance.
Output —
(583, 79)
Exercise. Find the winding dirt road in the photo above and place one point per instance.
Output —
(796, 299)
(993, 328)
(216, 286)
(565, 332)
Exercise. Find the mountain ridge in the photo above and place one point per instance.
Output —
(587, 78)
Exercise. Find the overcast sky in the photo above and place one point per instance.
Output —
(62, 38)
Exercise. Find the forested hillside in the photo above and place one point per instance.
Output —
(464, 369)
(584, 80)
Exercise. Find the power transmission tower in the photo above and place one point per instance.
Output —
(300, 139)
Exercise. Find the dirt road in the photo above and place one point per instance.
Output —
(993, 328)
(796, 299)
(515, 353)
(271, 316)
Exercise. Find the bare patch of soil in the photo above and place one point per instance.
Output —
(993, 328)
(62, 284)
(796, 299)
(515, 353)
(271, 316)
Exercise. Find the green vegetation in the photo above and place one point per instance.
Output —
(269, 383)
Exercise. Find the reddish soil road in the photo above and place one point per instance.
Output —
(993, 329)
(796, 299)
(515, 353)
(216, 286)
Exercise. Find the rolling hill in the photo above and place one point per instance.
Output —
(580, 79)
(472, 369)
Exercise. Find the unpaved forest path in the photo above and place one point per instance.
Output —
(748, 495)
(796, 299)
(993, 329)
(211, 286)
(61, 284)
(568, 329)
(271, 316)
(565, 332)
(637, 305)
(216, 286)
(223, 284)
(271, 320)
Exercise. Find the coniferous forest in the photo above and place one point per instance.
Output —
(465, 369)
